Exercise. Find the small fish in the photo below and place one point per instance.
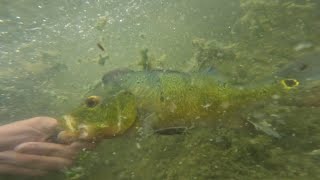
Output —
(266, 128)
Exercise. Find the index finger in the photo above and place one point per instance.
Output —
(33, 161)
(46, 149)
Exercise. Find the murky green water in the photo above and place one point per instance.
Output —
(53, 52)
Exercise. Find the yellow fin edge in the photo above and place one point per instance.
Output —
(289, 83)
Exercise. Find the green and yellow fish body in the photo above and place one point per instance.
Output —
(161, 99)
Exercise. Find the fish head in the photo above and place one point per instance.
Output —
(101, 117)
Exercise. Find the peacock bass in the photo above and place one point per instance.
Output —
(159, 99)
(162, 99)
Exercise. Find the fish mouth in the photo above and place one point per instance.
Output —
(70, 122)
(77, 130)
(82, 131)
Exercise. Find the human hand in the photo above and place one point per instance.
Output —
(24, 148)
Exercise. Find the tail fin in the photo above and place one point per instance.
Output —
(305, 73)
(289, 83)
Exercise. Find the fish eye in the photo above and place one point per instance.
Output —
(92, 101)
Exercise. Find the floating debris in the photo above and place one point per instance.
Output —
(145, 61)
(100, 47)
(138, 145)
(142, 35)
(101, 23)
(303, 46)
(206, 106)
(102, 59)
(315, 152)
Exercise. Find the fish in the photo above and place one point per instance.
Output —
(177, 99)
(124, 100)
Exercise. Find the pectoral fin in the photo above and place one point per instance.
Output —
(171, 130)
(149, 126)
